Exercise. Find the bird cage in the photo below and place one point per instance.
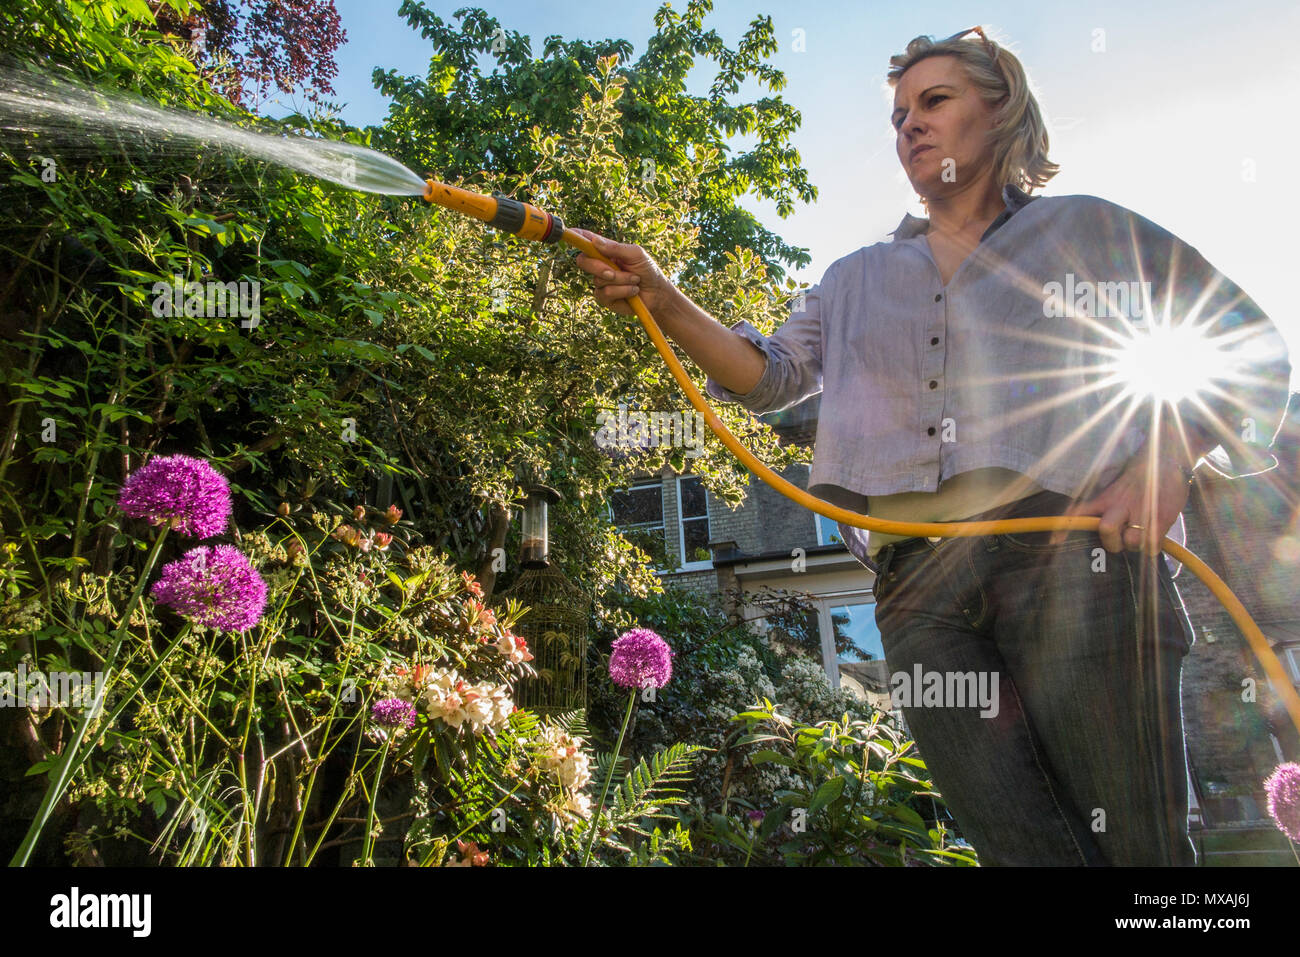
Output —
(555, 625)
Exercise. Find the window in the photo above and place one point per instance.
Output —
(858, 654)
(638, 513)
(828, 531)
(852, 652)
(693, 521)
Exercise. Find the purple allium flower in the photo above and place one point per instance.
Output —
(187, 491)
(1283, 787)
(214, 585)
(640, 658)
(394, 713)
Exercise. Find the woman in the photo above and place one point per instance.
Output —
(968, 371)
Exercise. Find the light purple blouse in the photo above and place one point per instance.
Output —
(1011, 364)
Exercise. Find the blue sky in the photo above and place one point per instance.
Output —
(1187, 116)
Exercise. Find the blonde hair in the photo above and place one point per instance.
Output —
(1019, 137)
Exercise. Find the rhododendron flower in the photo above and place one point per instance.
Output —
(471, 584)
(213, 585)
(359, 513)
(470, 855)
(455, 701)
(514, 648)
(639, 659)
(1283, 787)
(185, 492)
(382, 540)
(393, 515)
(563, 754)
(579, 804)
(479, 613)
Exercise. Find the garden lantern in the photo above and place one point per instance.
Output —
(535, 552)
(555, 625)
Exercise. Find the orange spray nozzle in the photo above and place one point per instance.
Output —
(498, 210)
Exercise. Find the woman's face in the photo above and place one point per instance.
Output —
(941, 123)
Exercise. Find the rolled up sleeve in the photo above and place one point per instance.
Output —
(793, 356)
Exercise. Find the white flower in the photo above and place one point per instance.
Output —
(480, 711)
(564, 755)
(513, 647)
(579, 804)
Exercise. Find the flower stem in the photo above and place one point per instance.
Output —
(609, 775)
(368, 847)
(71, 758)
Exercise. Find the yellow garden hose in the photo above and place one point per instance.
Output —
(532, 223)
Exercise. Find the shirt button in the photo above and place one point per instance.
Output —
(934, 384)
(934, 341)
(930, 430)
(938, 297)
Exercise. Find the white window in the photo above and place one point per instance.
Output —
(852, 653)
(693, 523)
(638, 513)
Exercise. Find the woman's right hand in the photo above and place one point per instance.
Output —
(637, 274)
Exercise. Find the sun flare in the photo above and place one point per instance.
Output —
(1168, 363)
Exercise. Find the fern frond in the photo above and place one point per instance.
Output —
(649, 787)
(573, 723)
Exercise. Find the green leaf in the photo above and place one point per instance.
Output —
(772, 757)
(828, 792)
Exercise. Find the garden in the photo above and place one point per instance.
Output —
(268, 439)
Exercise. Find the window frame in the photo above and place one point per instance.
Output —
(1291, 652)
(699, 565)
(652, 482)
(830, 661)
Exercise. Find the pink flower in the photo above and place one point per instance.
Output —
(213, 585)
(640, 658)
(513, 647)
(478, 612)
(181, 490)
(394, 713)
(1283, 787)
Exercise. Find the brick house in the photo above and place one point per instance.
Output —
(1246, 529)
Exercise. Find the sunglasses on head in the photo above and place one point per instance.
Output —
(988, 44)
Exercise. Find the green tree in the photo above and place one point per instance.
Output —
(460, 119)
(403, 353)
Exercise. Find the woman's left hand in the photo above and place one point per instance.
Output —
(1149, 493)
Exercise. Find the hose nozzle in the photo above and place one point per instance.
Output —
(498, 211)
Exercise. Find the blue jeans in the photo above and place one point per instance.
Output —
(1081, 759)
